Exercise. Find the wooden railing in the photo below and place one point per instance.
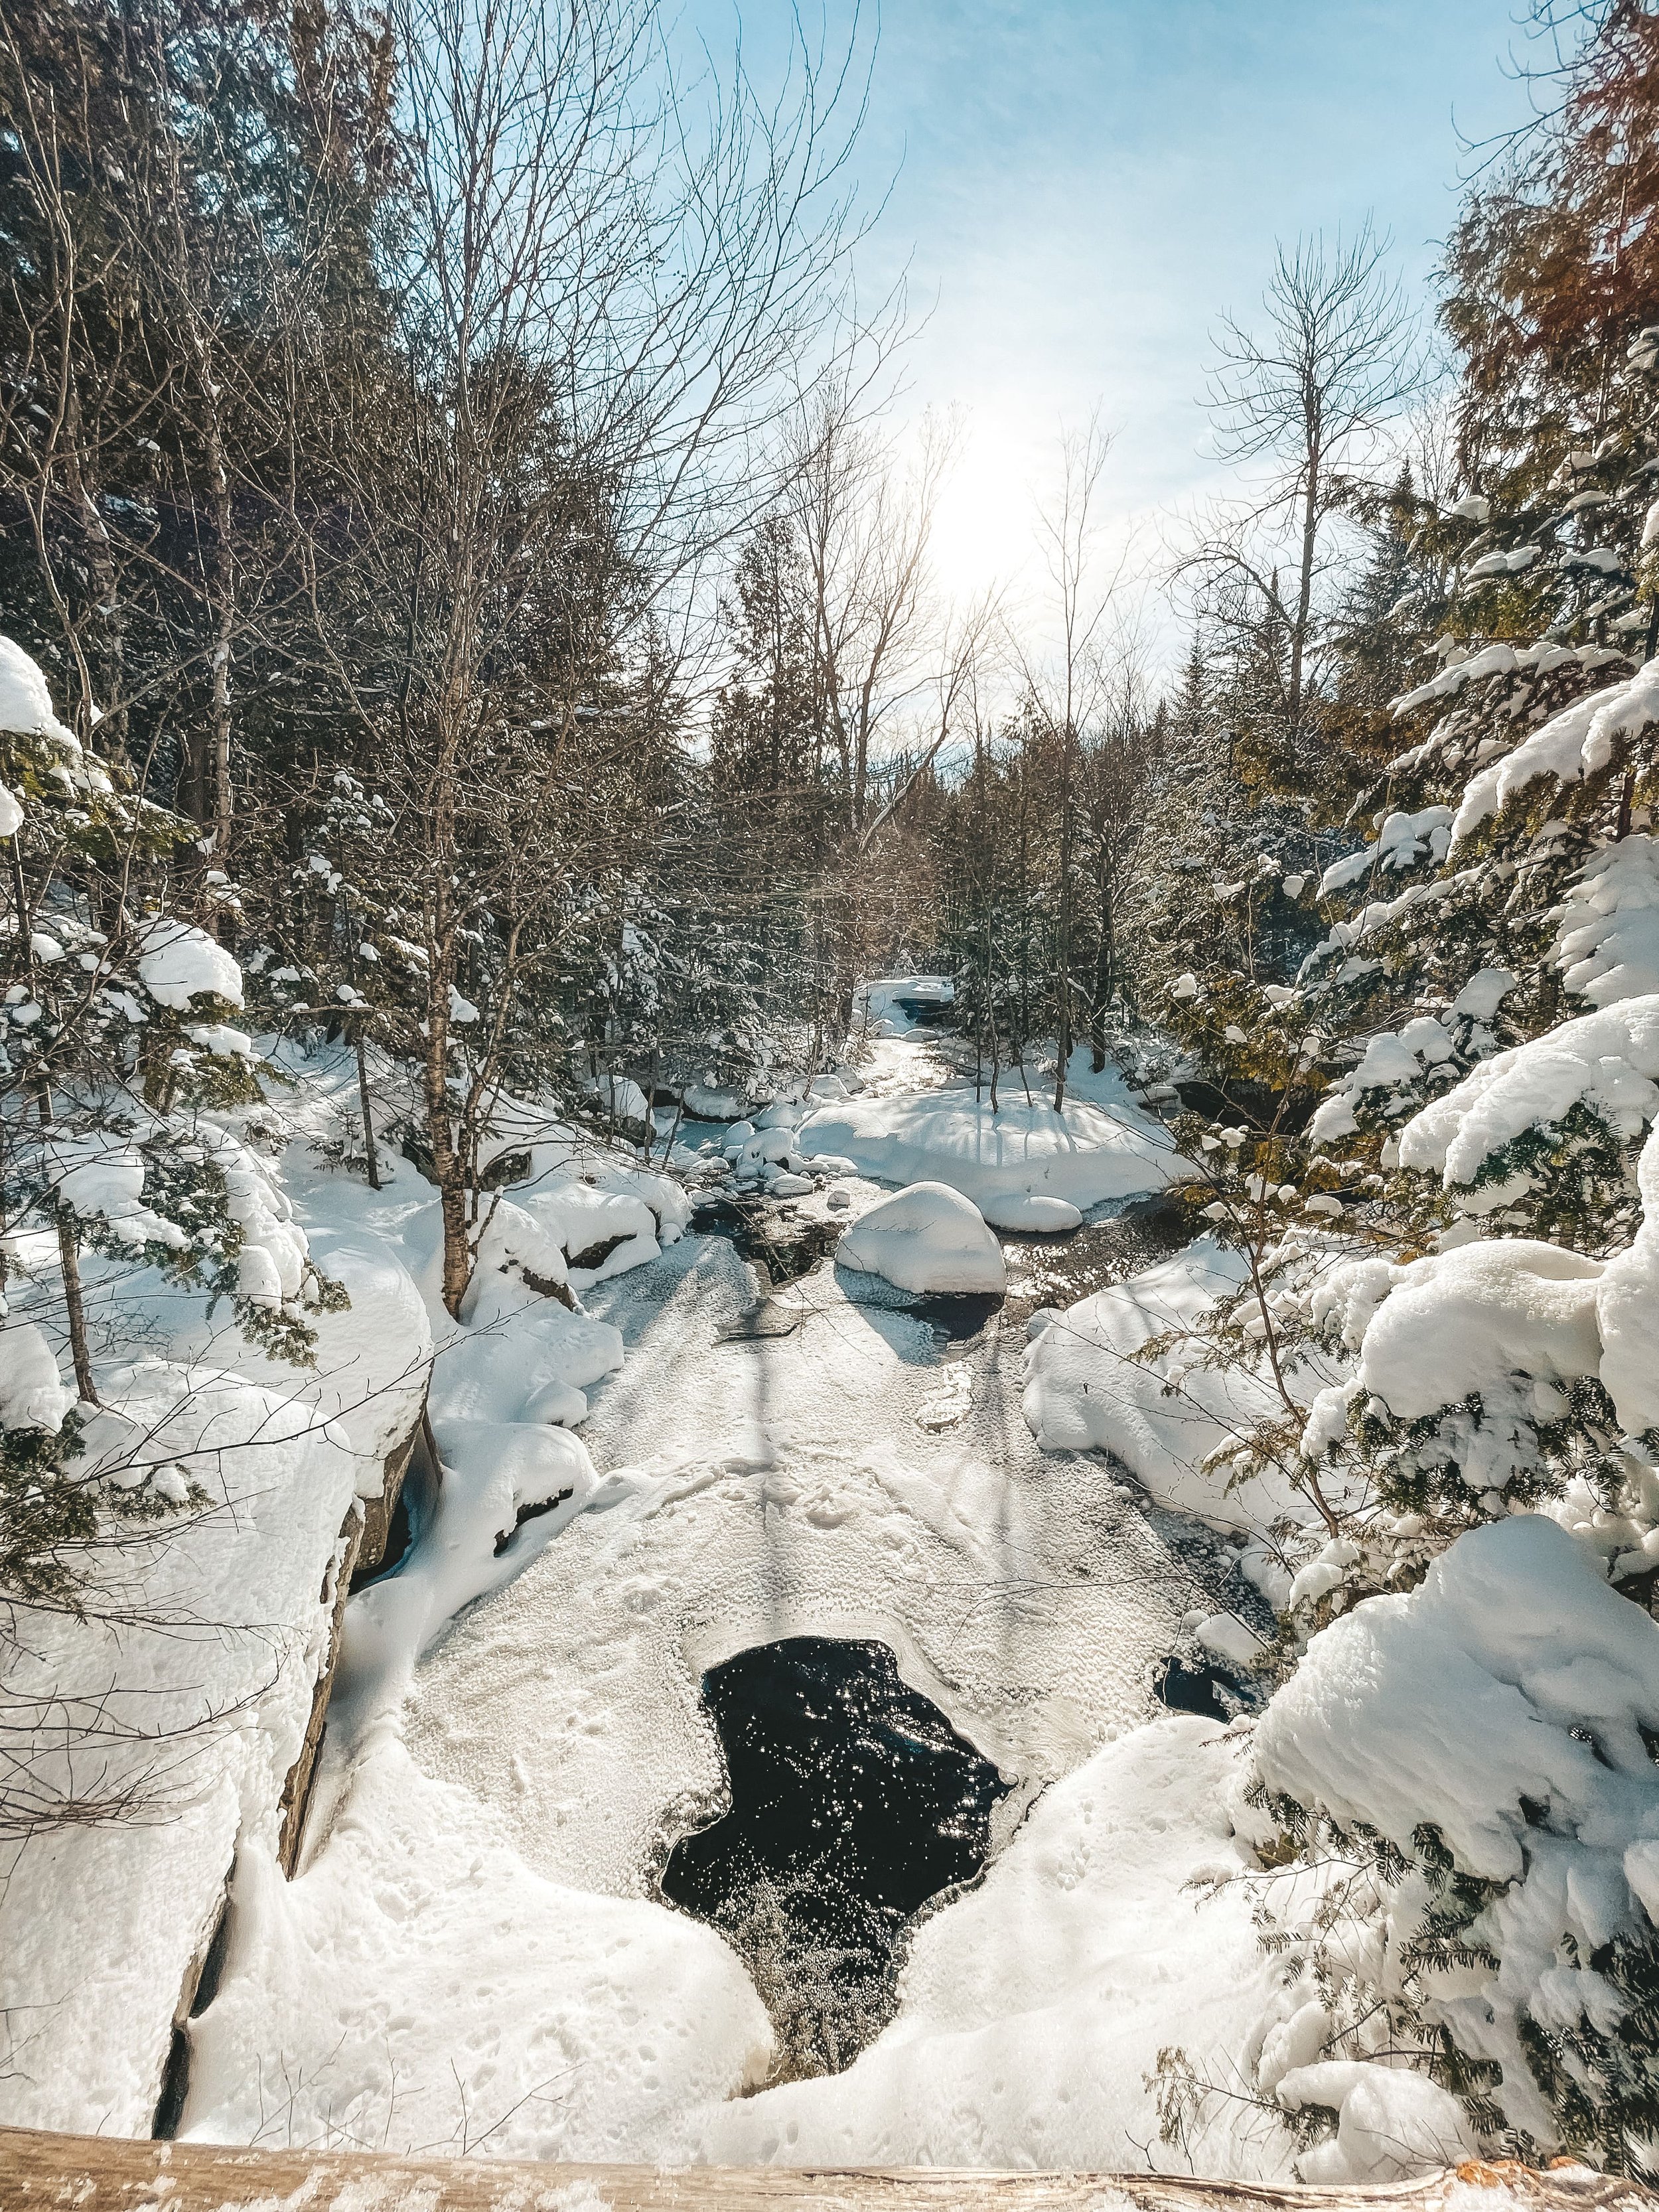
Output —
(103, 2173)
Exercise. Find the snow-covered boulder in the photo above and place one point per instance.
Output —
(1032, 1212)
(928, 1237)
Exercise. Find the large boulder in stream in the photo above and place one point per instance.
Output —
(926, 1238)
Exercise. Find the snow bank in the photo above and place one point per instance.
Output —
(1455, 1705)
(1085, 1388)
(928, 1237)
(1608, 945)
(194, 1711)
(420, 1983)
(1083, 1155)
(1032, 2010)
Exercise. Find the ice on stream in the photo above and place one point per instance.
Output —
(473, 1954)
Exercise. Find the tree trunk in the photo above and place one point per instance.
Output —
(369, 1153)
(69, 1259)
(1304, 590)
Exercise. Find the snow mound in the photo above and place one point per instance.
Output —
(1032, 1211)
(928, 1237)
(1085, 1154)
(1032, 2010)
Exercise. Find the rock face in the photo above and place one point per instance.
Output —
(927, 1239)
(362, 1545)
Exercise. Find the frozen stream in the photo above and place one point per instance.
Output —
(476, 1953)
(850, 1475)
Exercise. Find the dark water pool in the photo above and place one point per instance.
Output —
(854, 1801)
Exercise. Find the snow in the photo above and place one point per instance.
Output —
(471, 1950)
(586, 2024)
(1087, 1388)
(1574, 744)
(178, 963)
(927, 1237)
(1083, 1155)
(1609, 1059)
(877, 1004)
(1401, 842)
(197, 1706)
(1455, 1705)
(1608, 945)
(1458, 1321)
(1391, 2122)
(26, 701)
(11, 812)
(1030, 1213)
(1627, 1311)
(31, 1391)
(1033, 2010)
(1485, 991)
(1466, 1320)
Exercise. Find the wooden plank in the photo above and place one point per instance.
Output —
(99, 2173)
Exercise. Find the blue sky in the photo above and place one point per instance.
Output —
(1082, 185)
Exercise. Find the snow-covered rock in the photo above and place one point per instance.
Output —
(926, 1238)
(1033, 1213)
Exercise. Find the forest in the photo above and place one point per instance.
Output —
(665, 1187)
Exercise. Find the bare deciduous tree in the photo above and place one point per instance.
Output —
(1309, 395)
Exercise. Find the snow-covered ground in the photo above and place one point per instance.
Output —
(473, 1951)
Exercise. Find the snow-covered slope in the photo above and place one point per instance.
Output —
(1085, 1154)
(1032, 2012)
